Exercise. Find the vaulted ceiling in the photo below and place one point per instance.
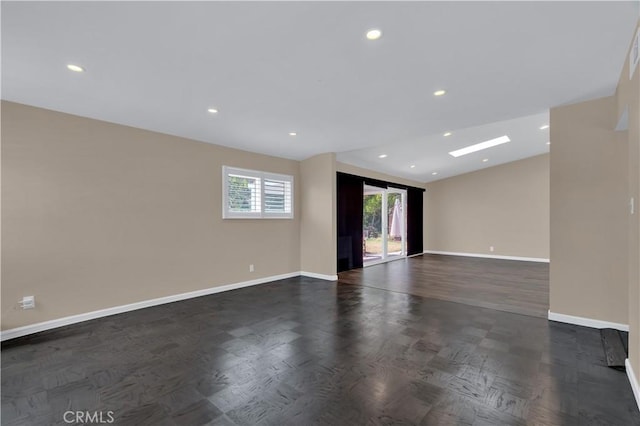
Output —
(275, 68)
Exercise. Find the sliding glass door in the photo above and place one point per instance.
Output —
(372, 224)
(384, 224)
(396, 230)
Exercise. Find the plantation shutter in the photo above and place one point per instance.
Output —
(255, 194)
(243, 193)
(278, 195)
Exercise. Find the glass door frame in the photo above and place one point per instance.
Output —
(371, 190)
(403, 209)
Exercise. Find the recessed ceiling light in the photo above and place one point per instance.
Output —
(382, 156)
(213, 110)
(374, 34)
(292, 133)
(484, 160)
(447, 134)
(75, 68)
(434, 173)
(413, 166)
(439, 92)
(543, 127)
(480, 146)
(548, 143)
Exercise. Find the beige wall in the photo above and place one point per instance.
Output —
(505, 206)
(318, 219)
(589, 273)
(359, 171)
(96, 215)
(628, 95)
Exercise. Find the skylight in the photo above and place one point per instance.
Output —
(480, 146)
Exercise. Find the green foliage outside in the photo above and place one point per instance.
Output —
(240, 193)
(372, 220)
(372, 224)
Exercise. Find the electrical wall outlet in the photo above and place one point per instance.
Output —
(28, 302)
(490, 248)
(251, 268)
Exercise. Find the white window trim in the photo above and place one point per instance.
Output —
(226, 214)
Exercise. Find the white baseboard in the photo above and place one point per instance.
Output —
(586, 322)
(489, 256)
(633, 380)
(319, 276)
(73, 319)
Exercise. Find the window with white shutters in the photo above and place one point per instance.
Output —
(256, 194)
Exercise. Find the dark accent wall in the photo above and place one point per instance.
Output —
(349, 216)
(414, 221)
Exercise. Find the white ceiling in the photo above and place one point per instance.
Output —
(276, 67)
(430, 154)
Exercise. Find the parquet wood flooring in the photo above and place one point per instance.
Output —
(303, 351)
(505, 285)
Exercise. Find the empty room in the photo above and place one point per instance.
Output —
(320, 213)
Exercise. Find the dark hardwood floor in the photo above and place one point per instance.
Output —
(303, 351)
(504, 285)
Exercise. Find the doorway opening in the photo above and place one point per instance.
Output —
(384, 224)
